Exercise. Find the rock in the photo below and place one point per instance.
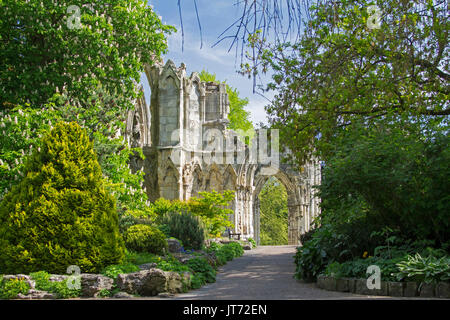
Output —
(123, 295)
(329, 283)
(247, 246)
(165, 295)
(184, 257)
(147, 266)
(150, 282)
(410, 289)
(342, 285)
(36, 294)
(24, 277)
(426, 290)
(395, 289)
(352, 285)
(319, 282)
(361, 288)
(57, 277)
(174, 246)
(92, 284)
(443, 290)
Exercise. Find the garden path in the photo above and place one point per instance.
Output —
(264, 273)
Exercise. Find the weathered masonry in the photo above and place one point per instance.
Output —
(188, 148)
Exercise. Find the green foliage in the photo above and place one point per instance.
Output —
(341, 70)
(310, 260)
(390, 175)
(202, 270)
(212, 208)
(252, 241)
(274, 213)
(162, 206)
(230, 251)
(170, 263)
(60, 288)
(113, 271)
(9, 289)
(145, 238)
(186, 227)
(139, 258)
(22, 129)
(44, 49)
(225, 252)
(60, 214)
(136, 216)
(236, 248)
(429, 269)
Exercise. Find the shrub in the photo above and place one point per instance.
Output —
(202, 272)
(9, 289)
(186, 227)
(230, 251)
(139, 258)
(253, 242)
(424, 269)
(310, 259)
(113, 271)
(137, 216)
(145, 238)
(171, 264)
(60, 214)
(213, 211)
(236, 248)
(357, 268)
(61, 289)
(215, 248)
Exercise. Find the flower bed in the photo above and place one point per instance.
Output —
(387, 288)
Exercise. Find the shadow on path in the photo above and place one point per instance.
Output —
(264, 273)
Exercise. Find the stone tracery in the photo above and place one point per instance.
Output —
(179, 161)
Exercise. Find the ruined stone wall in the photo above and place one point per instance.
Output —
(188, 149)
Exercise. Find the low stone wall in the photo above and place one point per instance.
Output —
(149, 282)
(387, 288)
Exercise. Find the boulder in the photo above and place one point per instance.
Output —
(36, 294)
(24, 277)
(123, 295)
(57, 277)
(147, 266)
(92, 284)
(174, 246)
(443, 290)
(150, 282)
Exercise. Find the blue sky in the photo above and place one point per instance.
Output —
(215, 17)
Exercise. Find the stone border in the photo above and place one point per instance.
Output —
(388, 288)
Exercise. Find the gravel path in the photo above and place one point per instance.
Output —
(265, 272)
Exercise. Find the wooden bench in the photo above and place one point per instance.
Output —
(231, 234)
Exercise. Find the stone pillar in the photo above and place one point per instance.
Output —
(257, 220)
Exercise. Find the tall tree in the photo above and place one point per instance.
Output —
(74, 47)
(356, 61)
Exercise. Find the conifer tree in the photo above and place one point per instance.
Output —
(60, 214)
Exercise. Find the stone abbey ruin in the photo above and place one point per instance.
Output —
(188, 148)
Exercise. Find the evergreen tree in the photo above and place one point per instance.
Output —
(60, 214)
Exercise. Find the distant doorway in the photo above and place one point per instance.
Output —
(273, 202)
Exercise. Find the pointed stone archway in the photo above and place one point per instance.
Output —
(189, 148)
